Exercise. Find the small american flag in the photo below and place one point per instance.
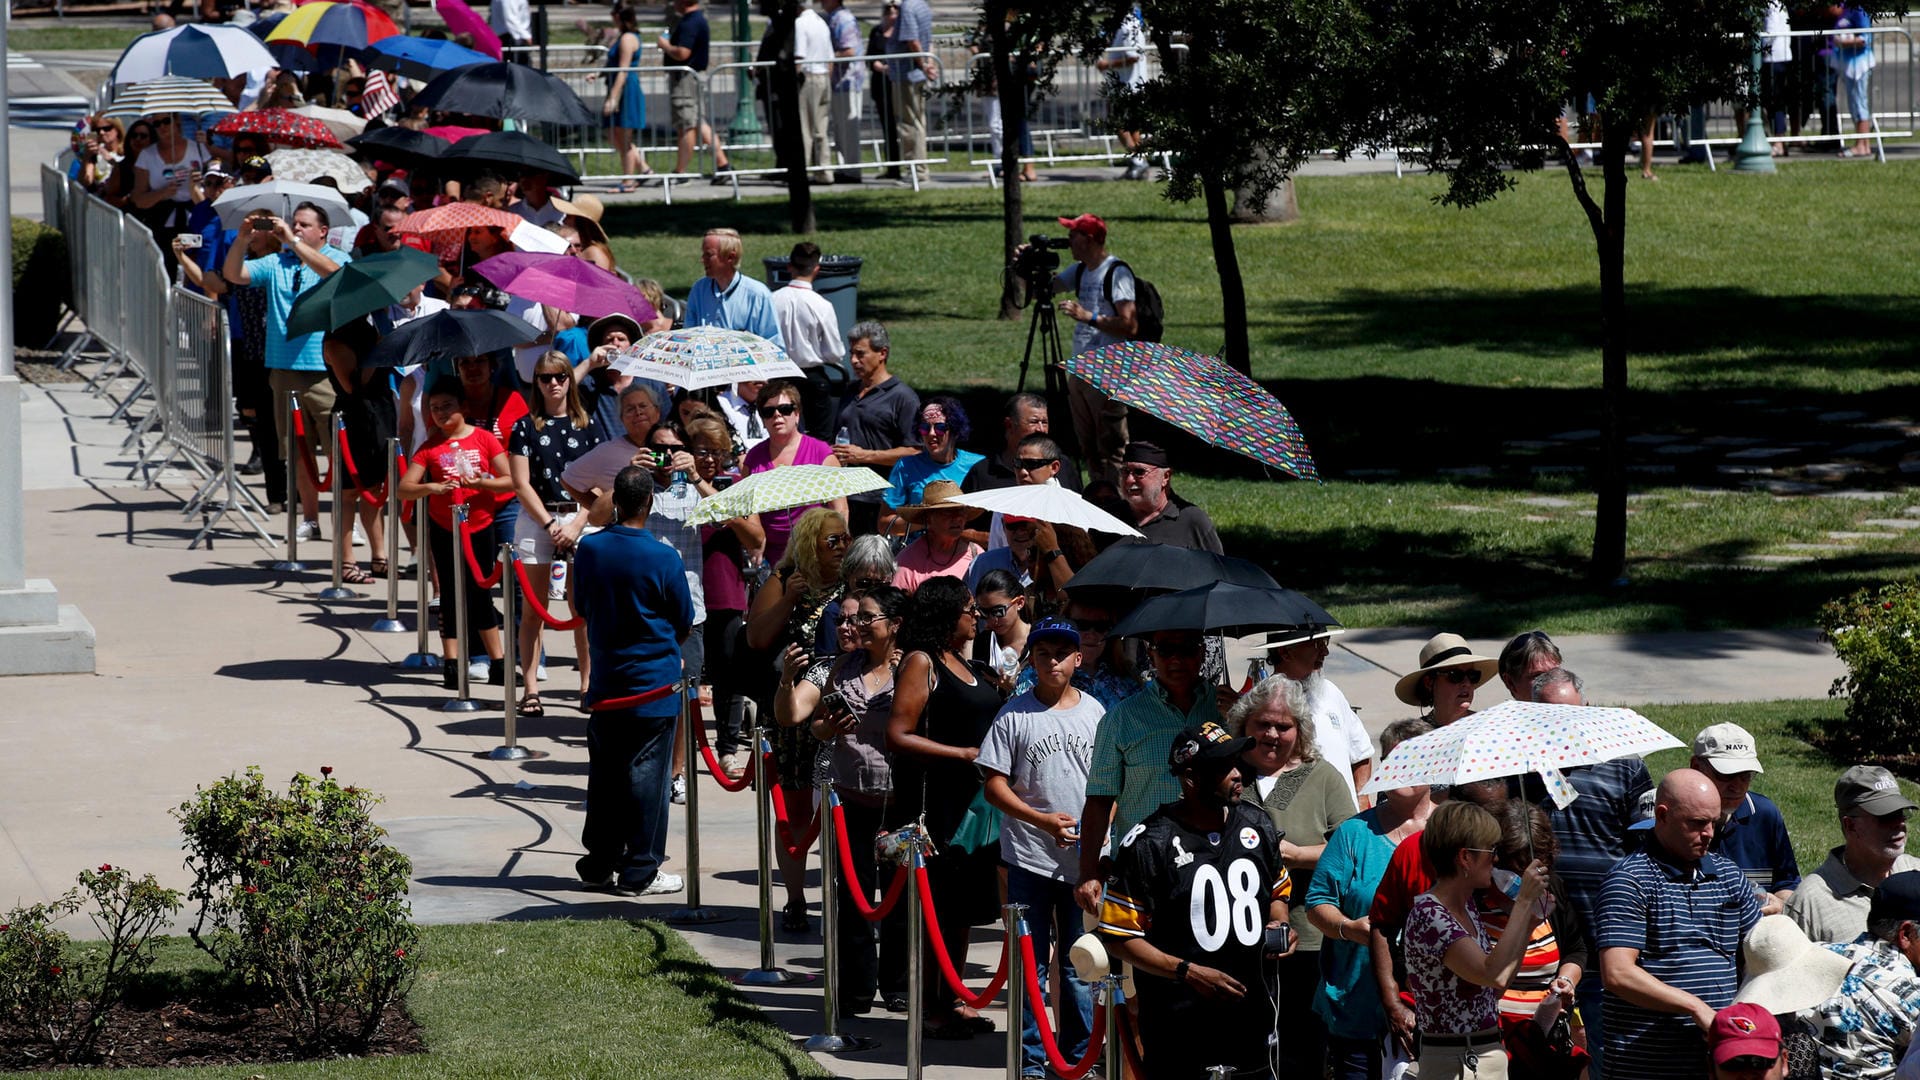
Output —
(379, 95)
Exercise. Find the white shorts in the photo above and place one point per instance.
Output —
(531, 540)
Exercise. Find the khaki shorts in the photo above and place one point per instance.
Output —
(683, 93)
(315, 392)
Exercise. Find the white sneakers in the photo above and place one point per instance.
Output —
(663, 883)
(308, 530)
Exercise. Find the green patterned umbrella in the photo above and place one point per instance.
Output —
(1200, 395)
(784, 488)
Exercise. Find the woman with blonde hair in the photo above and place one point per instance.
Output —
(541, 445)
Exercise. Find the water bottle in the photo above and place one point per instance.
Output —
(678, 489)
(557, 582)
(843, 437)
(1507, 882)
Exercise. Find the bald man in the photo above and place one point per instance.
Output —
(1671, 920)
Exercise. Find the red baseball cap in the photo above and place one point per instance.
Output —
(1743, 1030)
(1086, 223)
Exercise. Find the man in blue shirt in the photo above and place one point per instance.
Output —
(1672, 919)
(632, 591)
(686, 46)
(294, 364)
(728, 298)
(912, 81)
(1751, 830)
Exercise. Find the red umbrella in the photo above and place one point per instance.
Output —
(453, 133)
(281, 127)
(461, 19)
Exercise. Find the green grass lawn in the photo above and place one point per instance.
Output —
(606, 998)
(72, 36)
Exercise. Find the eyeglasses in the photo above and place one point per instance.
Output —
(1140, 470)
(1035, 464)
(715, 455)
(785, 408)
(865, 583)
(994, 612)
(551, 377)
(866, 618)
(836, 541)
(935, 427)
(1481, 850)
(1470, 676)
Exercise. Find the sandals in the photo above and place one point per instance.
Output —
(531, 706)
(380, 568)
(352, 574)
(793, 919)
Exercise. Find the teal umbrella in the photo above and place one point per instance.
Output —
(361, 287)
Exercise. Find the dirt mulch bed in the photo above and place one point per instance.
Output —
(200, 1031)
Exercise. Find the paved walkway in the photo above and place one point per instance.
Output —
(209, 663)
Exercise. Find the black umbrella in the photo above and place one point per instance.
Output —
(516, 150)
(506, 90)
(401, 146)
(1163, 568)
(1226, 609)
(449, 335)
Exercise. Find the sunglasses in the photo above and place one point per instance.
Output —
(865, 583)
(1035, 464)
(936, 427)
(1178, 648)
(1093, 626)
(1456, 676)
(785, 408)
(1139, 470)
(163, 122)
(836, 541)
(716, 455)
(995, 612)
(667, 449)
(552, 377)
(866, 618)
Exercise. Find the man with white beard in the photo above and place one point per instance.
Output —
(1338, 737)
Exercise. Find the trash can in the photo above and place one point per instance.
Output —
(838, 281)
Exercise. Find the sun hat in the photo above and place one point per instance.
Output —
(597, 330)
(1871, 789)
(1743, 1030)
(1443, 651)
(586, 211)
(935, 495)
(1786, 971)
(1729, 748)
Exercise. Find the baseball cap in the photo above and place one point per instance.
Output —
(1743, 1030)
(1053, 628)
(1086, 223)
(1207, 742)
(256, 164)
(1728, 748)
(1871, 789)
(1898, 897)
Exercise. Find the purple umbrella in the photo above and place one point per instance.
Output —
(566, 283)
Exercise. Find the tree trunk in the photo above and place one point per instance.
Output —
(1610, 523)
(1233, 294)
(1281, 206)
(1013, 111)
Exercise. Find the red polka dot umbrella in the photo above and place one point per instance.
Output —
(281, 127)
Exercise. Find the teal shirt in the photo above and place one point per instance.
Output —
(1130, 754)
(1348, 873)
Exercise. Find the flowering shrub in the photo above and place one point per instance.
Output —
(1874, 633)
(301, 897)
(66, 994)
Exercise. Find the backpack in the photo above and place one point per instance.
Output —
(1149, 317)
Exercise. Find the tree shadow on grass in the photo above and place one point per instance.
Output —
(722, 1004)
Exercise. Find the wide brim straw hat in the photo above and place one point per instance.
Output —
(597, 330)
(586, 212)
(935, 495)
(1441, 652)
(1786, 971)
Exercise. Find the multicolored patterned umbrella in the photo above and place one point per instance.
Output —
(697, 357)
(334, 22)
(1518, 737)
(281, 127)
(169, 94)
(1200, 395)
(783, 489)
(306, 166)
(569, 284)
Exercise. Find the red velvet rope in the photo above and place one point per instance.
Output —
(632, 700)
(353, 474)
(895, 888)
(485, 581)
(306, 452)
(540, 609)
(967, 998)
(782, 824)
(713, 764)
(1041, 1020)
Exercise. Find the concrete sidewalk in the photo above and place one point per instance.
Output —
(209, 663)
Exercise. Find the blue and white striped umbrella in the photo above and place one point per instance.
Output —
(696, 357)
(196, 52)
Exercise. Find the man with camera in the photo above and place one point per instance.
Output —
(1197, 902)
(1103, 311)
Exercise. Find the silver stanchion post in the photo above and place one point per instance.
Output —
(690, 716)
(341, 522)
(511, 750)
(456, 584)
(1014, 915)
(1110, 1001)
(767, 974)
(292, 564)
(916, 960)
(422, 658)
(831, 1040)
(390, 623)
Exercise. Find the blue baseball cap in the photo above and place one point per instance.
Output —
(1053, 628)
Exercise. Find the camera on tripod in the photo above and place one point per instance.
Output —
(1037, 261)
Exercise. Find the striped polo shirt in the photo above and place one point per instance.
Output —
(285, 277)
(1687, 922)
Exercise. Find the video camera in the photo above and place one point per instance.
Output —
(1037, 261)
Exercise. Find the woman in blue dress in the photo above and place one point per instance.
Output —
(625, 110)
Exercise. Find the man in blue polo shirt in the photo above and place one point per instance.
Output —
(728, 298)
(294, 364)
(1751, 831)
(1672, 918)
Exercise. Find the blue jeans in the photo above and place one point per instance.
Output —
(1050, 909)
(628, 757)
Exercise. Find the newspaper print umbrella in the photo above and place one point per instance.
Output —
(281, 127)
(783, 489)
(171, 94)
(1518, 737)
(1200, 395)
(697, 357)
(566, 283)
(195, 52)
(328, 22)
(1048, 502)
(306, 166)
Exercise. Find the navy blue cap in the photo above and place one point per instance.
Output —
(1898, 897)
(1056, 628)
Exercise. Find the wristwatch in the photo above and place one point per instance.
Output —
(1180, 971)
(1049, 556)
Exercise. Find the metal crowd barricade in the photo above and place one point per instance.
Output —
(197, 417)
(588, 145)
(1891, 96)
(144, 322)
(56, 196)
(100, 230)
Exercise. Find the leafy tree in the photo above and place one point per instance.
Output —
(1478, 86)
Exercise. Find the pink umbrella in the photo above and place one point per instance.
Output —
(461, 19)
(453, 133)
(569, 284)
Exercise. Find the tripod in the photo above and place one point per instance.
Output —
(1043, 326)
